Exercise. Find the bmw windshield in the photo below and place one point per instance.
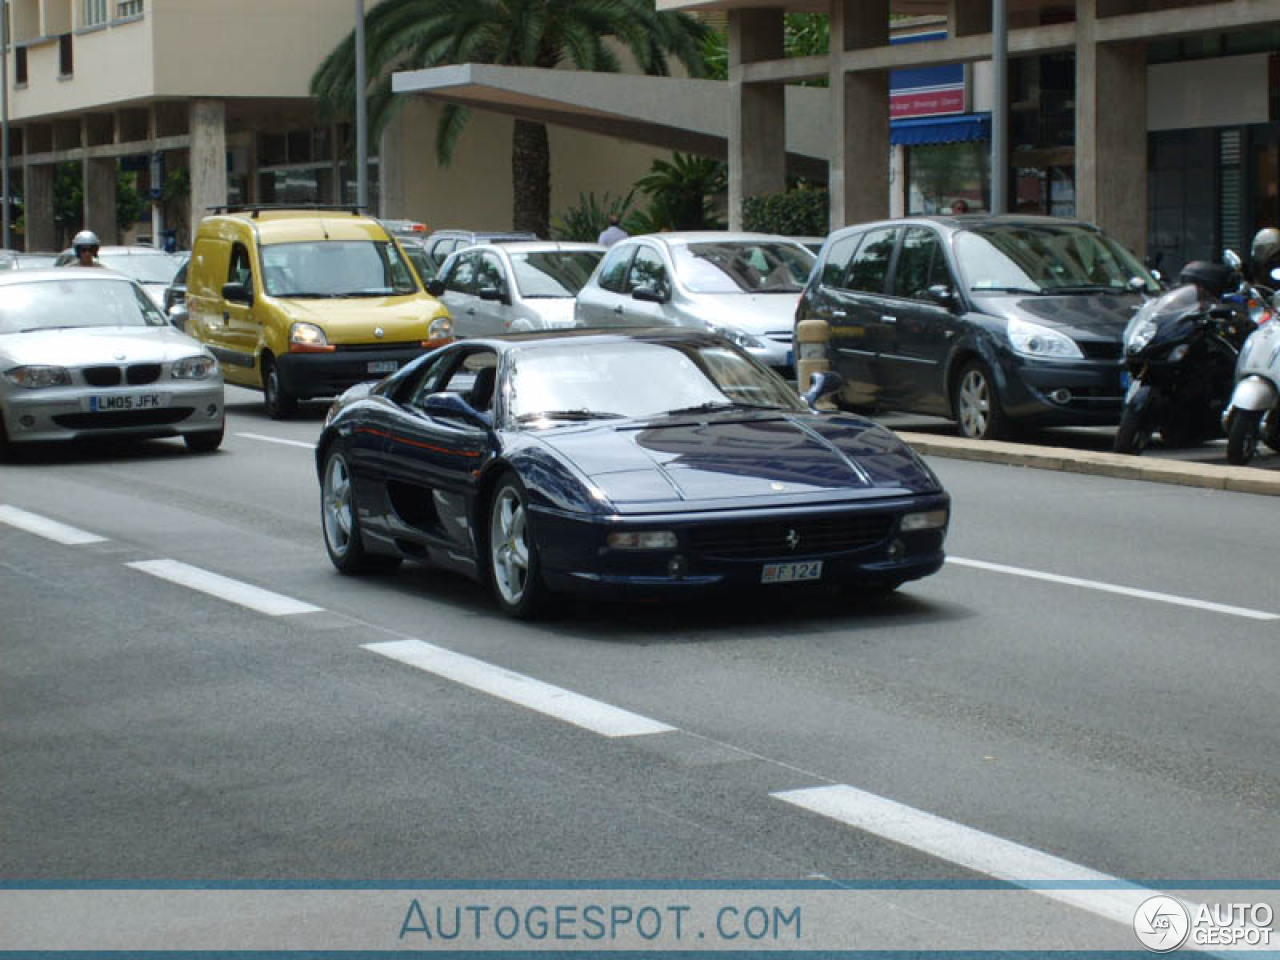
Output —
(1049, 258)
(337, 269)
(74, 302)
(606, 380)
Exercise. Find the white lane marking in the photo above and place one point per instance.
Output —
(216, 585)
(1114, 588)
(1098, 893)
(265, 439)
(516, 688)
(44, 527)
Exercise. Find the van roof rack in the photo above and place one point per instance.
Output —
(255, 208)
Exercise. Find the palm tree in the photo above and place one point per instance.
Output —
(412, 34)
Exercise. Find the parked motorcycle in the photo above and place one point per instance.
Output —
(1180, 353)
(1254, 410)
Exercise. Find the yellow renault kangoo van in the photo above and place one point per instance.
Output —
(306, 302)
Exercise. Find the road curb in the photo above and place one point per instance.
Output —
(1095, 463)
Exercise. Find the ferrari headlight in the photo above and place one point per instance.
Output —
(1033, 340)
(928, 520)
(643, 540)
(737, 337)
(307, 335)
(38, 377)
(194, 368)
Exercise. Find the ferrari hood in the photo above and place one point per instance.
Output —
(735, 458)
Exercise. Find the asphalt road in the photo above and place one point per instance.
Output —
(1092, 677)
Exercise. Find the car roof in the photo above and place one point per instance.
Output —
(480, 235)
(301, 224)
(61, 273)
(962, 221)
(138, 250)
(537, 246)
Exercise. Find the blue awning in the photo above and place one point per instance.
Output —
(915, 131)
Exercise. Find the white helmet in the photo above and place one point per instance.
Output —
(85, 238)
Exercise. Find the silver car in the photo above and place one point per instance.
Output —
(744, 286)
(151, 267)
(514, 287)
(85, 353)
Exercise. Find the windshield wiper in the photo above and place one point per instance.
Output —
(65, 326)
(716, 405)
(580, 414)
(1087, 288)
(1035, 291)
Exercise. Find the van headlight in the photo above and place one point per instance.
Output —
(1033, 340)
(440, 329)
(737, 337)
(307, 336)
(194, 368)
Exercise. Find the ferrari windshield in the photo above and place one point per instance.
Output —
(742, 266)
(1047, 258)
(634, 378)
(336, 268)
(75, 302)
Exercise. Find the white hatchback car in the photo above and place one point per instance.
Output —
(84, 352)
(514, 287)
(744, 286)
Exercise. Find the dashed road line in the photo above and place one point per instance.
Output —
(288, 443)
(44, 527)
(544, 698)
(1207, 605)
(216, 585)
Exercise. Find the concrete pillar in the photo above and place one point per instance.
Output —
(100, 199)
(758, 119)
(37, 186)
(208, 158)
(859, 171)
(1111, 132)
(393, 201)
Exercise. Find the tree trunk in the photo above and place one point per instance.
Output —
(531, 178)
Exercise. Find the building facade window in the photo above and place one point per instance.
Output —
(66, 62)
(20, 66)
(93, 13)
(128, 8)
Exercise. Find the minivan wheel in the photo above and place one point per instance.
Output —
(280, 405)
(977, 404)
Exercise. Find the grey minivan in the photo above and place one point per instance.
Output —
(990, 321)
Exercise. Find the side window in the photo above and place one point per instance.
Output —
(490, 274)
(239, 269)
(914, 272)
(613, 274)
(426, 381)
(648, 270)
(837, 263)
(461, 276)
(870, 265)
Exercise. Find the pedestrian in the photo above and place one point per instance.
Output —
(612, 233)
(960, 206)
(85, 246)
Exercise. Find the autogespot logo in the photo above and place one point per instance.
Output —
(1162, 924)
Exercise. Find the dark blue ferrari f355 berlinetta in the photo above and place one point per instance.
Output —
(634, 463)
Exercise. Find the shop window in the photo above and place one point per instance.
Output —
(938, 174)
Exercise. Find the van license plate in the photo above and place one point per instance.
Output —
(383, 366)
(127, 401)
(791, 572)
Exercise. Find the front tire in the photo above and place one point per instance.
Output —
(976, 404)
(341, 522)
(514, 568)
(1133, 435)
(280, 404)
(206, 441)
(1242, 436)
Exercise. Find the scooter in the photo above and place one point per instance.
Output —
(1254, 410)
(1180, 350)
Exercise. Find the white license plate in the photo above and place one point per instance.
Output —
(383, 366)
(125, 401)
(791, 572)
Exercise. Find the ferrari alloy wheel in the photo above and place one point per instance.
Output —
(977, 404)
(342, 523)
(513, 556)
(280, 405)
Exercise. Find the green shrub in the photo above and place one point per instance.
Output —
(805, 212)
(585, 221)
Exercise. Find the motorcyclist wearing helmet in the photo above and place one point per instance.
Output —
(85, 244)
(1264, 257)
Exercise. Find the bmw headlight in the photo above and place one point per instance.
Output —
(194, 368)
(307, 336)
(1139, 335)
(1033, 340)
(38, 377)
(738, 338)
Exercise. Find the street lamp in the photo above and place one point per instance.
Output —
(4, 116)
(362, 123)
(999, 107)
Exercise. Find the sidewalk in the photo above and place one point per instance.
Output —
(1088, 451)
